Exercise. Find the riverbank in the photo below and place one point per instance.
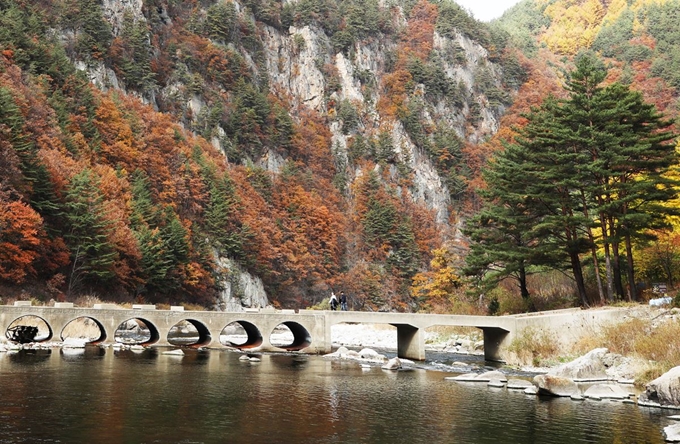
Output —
(643, 346)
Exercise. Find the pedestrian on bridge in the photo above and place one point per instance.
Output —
(343, 301)
(334, 301)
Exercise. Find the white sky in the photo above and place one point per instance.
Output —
(487, 10)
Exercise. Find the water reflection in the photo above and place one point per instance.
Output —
(108, 396)
(30, 357)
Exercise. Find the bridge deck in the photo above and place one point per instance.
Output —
(311, 328)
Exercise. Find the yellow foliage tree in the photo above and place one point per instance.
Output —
(575, 24)
(437, 286)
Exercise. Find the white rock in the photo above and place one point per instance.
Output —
(392, 364)
(74, 343)
(672, 433)
(466, 377)
(606, 391)
(342, 351)
(484, 377)
(72, 351)
(368, 353)
(555, 385)
(177, 352)
(664, 390)
(519, 384)
(533, 390)
(589, 367)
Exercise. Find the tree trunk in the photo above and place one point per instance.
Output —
(524, 290)
(578, 276)
(631, 269)
(607, 261)
(596, 266)
(616, 265)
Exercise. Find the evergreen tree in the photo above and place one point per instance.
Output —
(156, 263)
(37, 187)
(92, 254)
(221, 21)
(134, 54)
(504, 243)
(221, 222)
(144, 212)
(626, 145)
(596, 158)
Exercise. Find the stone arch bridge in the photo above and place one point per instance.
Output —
(311, 329)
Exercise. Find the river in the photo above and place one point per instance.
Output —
(121, 396)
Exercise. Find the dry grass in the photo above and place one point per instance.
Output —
(87, 301)
(535, 346)
(655, 343)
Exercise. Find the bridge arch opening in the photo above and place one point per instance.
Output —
(241, 335)
(136, 331)
(358, 335)
(84, 328)
(29, 328)
(189, 333)
(290, 336)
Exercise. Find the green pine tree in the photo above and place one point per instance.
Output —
(594, 159)
(92, 254)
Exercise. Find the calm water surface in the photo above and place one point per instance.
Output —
(107, 396)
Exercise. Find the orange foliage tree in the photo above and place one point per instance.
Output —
(21, 234)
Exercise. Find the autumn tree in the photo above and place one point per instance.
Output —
(21, 234)
(436, 286)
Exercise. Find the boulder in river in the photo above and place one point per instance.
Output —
(519, 384)
(672, 433)
(606, 391)
(589, 367)
(555, 385)
(392, 364)
(664, 391)
(484, 377)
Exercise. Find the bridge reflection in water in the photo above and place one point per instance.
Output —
(311, 329)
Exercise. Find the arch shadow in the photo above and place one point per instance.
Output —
(26, 332)
(254, 337)
(204, 336)
(102, 330)
(154, 335)
(301, 337)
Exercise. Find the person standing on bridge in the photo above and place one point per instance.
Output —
(334, 301)
(343, 301)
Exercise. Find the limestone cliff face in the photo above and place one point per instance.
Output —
(294, 61)
(115, 10)
(240, 289)
(301, 64)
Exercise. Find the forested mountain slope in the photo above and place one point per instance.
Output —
(199, 151)
(185, 151)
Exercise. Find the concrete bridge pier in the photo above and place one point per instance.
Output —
(410, 342)
(495, 339)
